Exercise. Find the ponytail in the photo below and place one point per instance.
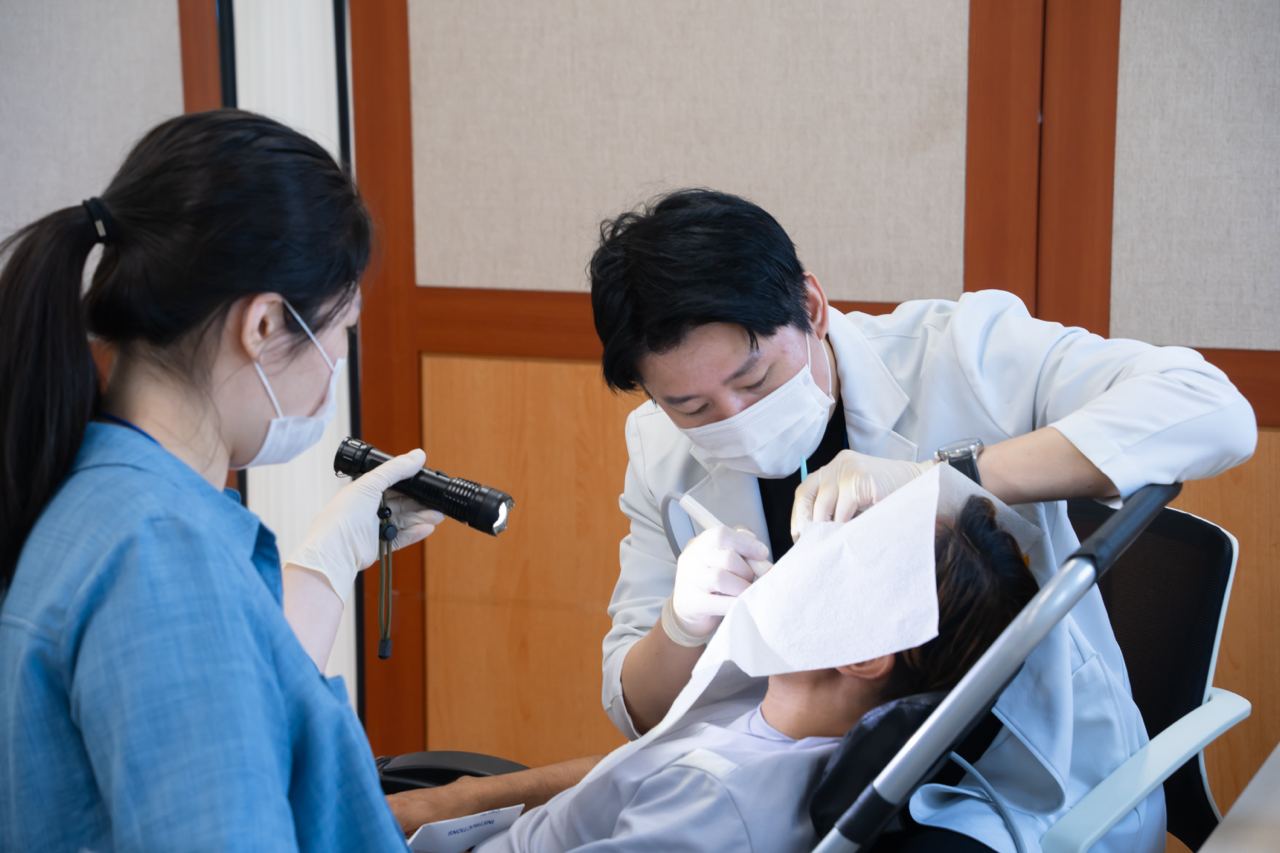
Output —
(206, 209)
(50, 387)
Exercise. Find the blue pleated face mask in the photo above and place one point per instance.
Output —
(289, 435)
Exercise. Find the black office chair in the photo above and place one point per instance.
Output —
(1167, 599)
(1166, 603)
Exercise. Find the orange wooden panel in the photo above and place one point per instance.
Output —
(198, 29)
(1246, 501)
(1002, 156)
(478, 321)
(514, 623)
(1077, 162)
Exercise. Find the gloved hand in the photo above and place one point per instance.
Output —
(343, 538)
(847, 485)
(711, 572)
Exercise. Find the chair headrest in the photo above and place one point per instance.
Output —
(864, 752)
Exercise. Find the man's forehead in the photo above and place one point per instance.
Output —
(714, 352)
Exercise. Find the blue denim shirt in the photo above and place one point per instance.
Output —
(152, 696)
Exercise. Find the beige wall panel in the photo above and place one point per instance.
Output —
(1246, 501)
(514, 623)
(1196, 259)
(79, 83)
(534, 121)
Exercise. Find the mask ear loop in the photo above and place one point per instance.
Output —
(307, 329)
(263, 376)
(804, 463)
(272, 394)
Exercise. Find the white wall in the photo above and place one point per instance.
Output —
(286, 69)
(1195, 255)
(533, 121)
(79, 83)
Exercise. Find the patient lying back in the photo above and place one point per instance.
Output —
(745, 783)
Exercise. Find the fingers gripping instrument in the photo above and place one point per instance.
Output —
(706, 521)
(480, 507)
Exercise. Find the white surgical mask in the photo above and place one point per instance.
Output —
(775, 435)
(290, 435)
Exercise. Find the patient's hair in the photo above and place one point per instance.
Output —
(983, 582)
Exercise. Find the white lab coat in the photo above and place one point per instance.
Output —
(936, 371)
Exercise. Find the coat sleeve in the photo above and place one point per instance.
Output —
(1140, 413)
(645, 580)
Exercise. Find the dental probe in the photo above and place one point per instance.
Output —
(706, 521)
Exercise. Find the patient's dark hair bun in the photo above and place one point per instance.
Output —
(983, 582)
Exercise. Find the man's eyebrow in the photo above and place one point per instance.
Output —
(746, 366)
(737, 374)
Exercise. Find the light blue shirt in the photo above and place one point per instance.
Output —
(152, 696)
(742, 786)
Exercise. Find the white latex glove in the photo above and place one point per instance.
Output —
(343, 539)
(847, 485)
(711, 572)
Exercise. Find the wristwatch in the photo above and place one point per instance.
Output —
(963, 456)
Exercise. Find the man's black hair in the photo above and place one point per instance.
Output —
(689, 258)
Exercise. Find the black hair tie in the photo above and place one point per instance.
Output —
(104, 226)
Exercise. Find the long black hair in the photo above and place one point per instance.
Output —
(206, 209)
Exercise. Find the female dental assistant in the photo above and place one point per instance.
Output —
(700, 301)
(155, 697)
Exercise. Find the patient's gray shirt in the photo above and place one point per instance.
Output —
(744, 786)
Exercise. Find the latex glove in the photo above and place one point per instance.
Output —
(711, 572)
(847, 485)
(343, 539)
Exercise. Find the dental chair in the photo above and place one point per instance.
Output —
(1170, 645)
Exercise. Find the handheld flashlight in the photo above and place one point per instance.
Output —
(477, 506)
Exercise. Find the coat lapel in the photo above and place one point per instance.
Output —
(734, 498)
(873, 400)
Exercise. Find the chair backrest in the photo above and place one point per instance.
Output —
(863, 751)
(1167, 597)
(878, 736)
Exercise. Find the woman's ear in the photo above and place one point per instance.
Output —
(256, 319)
(869, 670)
(816, 305)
